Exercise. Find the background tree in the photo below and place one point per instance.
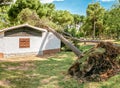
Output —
(97, 22)
(112, 21)
(28, 16)
(4, 7)
(46, 10)
(95, 14)
(22, 4)
(63, 18)
(77, 18)
(31, 17)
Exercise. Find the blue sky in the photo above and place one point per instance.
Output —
(77, 6)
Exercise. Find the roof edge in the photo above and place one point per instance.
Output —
(23, 25)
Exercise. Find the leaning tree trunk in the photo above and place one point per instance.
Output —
(66, 42)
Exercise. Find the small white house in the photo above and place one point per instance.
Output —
(26, 40)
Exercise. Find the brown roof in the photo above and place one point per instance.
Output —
(23, 25)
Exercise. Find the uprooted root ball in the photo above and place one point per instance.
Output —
(97, 64)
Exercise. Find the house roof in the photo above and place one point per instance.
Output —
(23, 25)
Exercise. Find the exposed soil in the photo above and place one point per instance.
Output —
(4, 83)
(23, 66)
(97, 64)
(22, 59)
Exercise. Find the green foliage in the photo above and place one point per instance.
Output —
(94, 21)
(72, 33)
(22, 10)
(22, 4)
(30, 16)
(86, 27)
(44, 21)
(27, 16)
(77, 18)
(101, 23)
(4, 19)
(46, 10)
(97, 23)
(63, 18)
(112, 22)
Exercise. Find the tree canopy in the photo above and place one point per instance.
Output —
(95, 14)
(22, 4)
(97, 23)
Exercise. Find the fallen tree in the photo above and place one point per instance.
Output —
(69, 36)
(66, 42)
(97, 64)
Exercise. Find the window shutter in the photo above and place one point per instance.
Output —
(24, 43)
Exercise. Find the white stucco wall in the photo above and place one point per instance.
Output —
(52, 42)
(37, 44)
(1, 41)
(1, 34)
(11, 45)
(1, 45)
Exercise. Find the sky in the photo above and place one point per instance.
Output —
(78, 6)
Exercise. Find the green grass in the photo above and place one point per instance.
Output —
(51, 73)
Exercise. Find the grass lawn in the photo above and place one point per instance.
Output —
(50, 73)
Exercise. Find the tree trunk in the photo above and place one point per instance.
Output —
(66, 42)
(85, 41)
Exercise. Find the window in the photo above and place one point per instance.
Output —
(24, 43)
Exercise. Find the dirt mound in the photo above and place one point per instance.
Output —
(97, 64)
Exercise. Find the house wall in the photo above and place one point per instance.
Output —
(52, 42)
(1, 34)
(37, 44)
(1, 41)
(11, 45)
(1, 45)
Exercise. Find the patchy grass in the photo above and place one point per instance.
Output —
(51, 73)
